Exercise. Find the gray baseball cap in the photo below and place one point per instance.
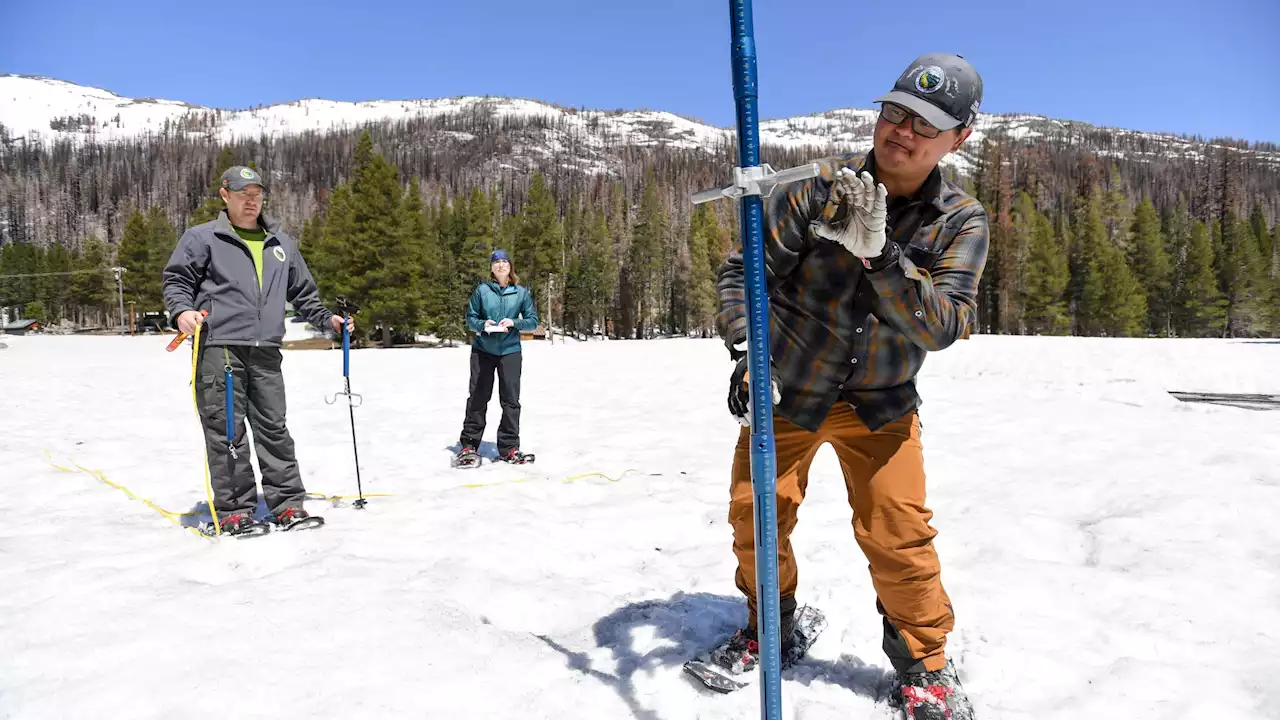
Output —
(942, 88)
(239, 177)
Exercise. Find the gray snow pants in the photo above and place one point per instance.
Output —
(258, 392)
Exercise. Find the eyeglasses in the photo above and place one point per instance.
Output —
(250, 196)
(895, 114)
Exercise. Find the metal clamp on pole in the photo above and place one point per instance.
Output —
(759, 180)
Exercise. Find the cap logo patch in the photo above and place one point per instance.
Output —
(278, 252)
(246, 173)
(930, 79)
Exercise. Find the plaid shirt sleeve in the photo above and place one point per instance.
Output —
(933, 310)
(785, 222)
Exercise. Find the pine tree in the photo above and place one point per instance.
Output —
(602, 270)
(719, 244)
(328, 251)
(35, 310)
(588, 292)
(1009, 258)
(1075, 235)
(422, 253)
(621, 319)
(57, 288)
(383, 270)
(1274, 266)
(702, 281)
(1151, 265)
(1258, 223)
(1115, 211)
(1272, 281)
(92, 290)
(645, 254)
(1239, 270)
(312, 233)
(1086, 231)
(1112, 302)
(1201, 309)
(571, 251)
(161, 239)
(144, 250)
(1175, 226)
(476, 240)
(1124, 300)
(134, 255)
(538, 250)
(449, 303)
(20, 259)
(1046, 278)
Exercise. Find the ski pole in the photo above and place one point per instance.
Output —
(230, 385)
(751, 183)
(346, 309)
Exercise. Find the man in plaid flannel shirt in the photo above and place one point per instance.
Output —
(869, 266)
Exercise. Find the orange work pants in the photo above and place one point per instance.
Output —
(884, 474)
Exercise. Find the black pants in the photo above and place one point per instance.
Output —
(258, 394)
(483, 366)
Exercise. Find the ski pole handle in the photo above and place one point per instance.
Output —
(183, 336)
(346, 348)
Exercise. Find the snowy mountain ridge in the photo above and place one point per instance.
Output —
(43, 109)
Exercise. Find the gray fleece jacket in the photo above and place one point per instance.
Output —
(212, 269)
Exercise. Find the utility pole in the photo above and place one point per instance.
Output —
(119, 271)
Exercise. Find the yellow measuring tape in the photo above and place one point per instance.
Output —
(170, 515)
(195, 400)
(175, 517)
(565, 480)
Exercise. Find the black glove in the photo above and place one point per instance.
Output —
(740, 391)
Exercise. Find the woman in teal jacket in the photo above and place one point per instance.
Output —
(499, 310)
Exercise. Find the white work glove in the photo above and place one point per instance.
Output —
(859, 221)
(740, 386)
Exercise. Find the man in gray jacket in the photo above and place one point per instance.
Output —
(241, 268)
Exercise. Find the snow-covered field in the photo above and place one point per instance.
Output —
(1111, 552)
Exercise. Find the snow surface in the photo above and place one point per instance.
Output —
(1111, 552)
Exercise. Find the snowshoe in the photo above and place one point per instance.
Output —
(237, 524)
(295, 518)
(467, 457)
(732, 665)
(515, 457)
(934, 695)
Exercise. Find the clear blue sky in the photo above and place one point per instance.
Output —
(1211, 69)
